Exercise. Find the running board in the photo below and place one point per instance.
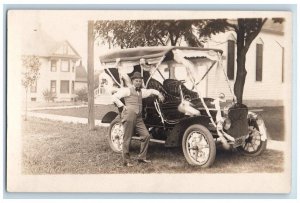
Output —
(151, 140)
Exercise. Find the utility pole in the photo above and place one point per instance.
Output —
(90, 70)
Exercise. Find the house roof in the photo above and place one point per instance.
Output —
(59, 44)
(39, 43)
(80, 74)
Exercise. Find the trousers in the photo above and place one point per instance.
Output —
(133, 123)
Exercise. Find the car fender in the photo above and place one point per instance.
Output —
(176, 134)
(109, 117)
(259, 124)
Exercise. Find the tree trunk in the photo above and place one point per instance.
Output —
(91, 113)
(240, 77)
(241, 62)
(244, 40)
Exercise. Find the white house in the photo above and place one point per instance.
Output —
(58, 71)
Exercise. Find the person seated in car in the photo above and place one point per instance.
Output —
(132, 116)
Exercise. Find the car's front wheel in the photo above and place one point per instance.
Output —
(198, 146)
(254, 145)
(115, 136)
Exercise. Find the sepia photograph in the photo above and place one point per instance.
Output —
(149, 101)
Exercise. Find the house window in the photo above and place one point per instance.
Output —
(230, 59)
(53, 86)
(33, 98)
(53, 65)
(33, 87)
(65, 65)
(259, 61)
(73, 86)
(64, 87)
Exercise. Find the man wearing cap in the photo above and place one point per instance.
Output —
(132, 116)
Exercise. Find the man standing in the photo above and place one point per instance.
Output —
(132, 116)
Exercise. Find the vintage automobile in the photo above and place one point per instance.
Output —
(187, 117)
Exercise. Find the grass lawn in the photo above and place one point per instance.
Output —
(51, 147)
(100, 111)
(52, 104)
(273, 116)
(274, 120)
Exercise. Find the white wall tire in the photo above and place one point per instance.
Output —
(198, 146)
(254, 145)
(115, 135)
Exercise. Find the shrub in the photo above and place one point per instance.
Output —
(49, 96)
(82, 95)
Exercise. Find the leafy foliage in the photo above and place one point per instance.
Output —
(134, 33)
(31, 64)
(32, 67)
(49, 96)
(82, 94)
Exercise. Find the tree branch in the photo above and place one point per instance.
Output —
(253, 35)
(160, 39)
(176, 38)
(235, 27)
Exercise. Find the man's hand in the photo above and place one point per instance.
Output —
(124, 108)
(161, 97)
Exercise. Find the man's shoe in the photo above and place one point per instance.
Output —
(144, 161)
(128, 164)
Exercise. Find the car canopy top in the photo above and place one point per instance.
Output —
(154, 54)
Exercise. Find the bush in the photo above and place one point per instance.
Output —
(49, 96)
(82, 95)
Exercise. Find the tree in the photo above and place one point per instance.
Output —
(31, 65)
(134, 33)
(246, 30)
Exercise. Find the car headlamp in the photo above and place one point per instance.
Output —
(259, 120)
(226, 110)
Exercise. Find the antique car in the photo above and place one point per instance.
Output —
(188, 117)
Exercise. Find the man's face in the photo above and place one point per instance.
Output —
(137, 82)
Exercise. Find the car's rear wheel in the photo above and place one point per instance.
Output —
(115, 136)
(198, 146)
(254, 145)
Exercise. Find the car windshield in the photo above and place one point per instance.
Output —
(181, 73)
(162, 73)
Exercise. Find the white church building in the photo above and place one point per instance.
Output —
(267, 72)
